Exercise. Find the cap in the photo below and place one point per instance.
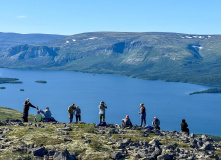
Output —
(38, 112)
(127, 116)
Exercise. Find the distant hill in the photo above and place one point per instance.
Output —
(8, 40)
(165, 56)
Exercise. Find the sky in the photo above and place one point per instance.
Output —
(69, 17)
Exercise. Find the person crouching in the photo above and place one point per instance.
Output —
(126, 122)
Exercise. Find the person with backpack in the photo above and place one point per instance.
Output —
(156, 123)
(71, 109)
(26, 107)
(38, 117)
(143, 115)
(77, 114)
(126, 122)
(102, 108)
(47, 114)
(184, 128)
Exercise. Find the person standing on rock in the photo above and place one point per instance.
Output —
(184, 126)
(143, 114)
(26, 107)
(102, 108)
(77, 114)
(71, 109)
(156, 123)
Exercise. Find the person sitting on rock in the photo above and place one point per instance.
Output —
(38, 117)
(156, 123)
(47, 114)
(126, 122)
(184, 126)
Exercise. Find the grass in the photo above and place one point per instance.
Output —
(11, 114)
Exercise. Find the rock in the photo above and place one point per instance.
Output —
(116, 155)
(207, 146)
(156, 152)
(123, 143)
(38, 151)
(192, 135)
(2, 146)
(64, 155)
(164, 157)
(154, 142)
(142, 153)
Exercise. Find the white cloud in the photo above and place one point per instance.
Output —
(21, 16)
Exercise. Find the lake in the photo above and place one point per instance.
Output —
(169, 101)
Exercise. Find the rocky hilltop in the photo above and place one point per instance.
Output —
(148, 55)
(47, 141)
(87, 141)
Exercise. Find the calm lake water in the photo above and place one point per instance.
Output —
(169, 101)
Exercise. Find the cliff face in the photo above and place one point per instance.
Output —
(88, 141)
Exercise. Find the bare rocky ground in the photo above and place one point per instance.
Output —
(60, 141)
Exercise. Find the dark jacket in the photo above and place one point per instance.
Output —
(184, 126)
(26, 106)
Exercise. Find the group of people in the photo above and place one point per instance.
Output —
(75, 110)
(38, 118)
(126, 122)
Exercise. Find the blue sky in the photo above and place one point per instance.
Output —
(70, 17)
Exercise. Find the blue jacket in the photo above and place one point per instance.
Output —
(46, 113)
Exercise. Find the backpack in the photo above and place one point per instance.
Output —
(149, 127)
(102, 124)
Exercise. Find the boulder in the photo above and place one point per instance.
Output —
(64, 155)
(164, 157)
(38, 151)
(116, 155)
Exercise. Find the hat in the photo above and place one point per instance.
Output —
(47, 107)
(38, 112)
(127, 116)
(101, 102)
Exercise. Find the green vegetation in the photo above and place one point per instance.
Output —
(212, 90)
(150, 56)
(11, 114)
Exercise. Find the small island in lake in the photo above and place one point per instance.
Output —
(9, 80)
(41, 81)
(22, 90)
(2, 87)
(212, 90)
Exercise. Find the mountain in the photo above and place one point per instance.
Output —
(8, 40)
(152, 55)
